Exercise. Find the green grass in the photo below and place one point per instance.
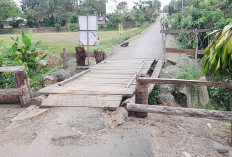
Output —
(56, 41)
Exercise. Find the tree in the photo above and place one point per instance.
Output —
(7, 9)
(122, 7)
(97, 7)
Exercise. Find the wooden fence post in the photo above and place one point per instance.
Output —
(65, 64)
(196, 51)
(22, 81)
(141, 95)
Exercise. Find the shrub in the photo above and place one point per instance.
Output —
(74, 18)
(58, 27)
(111, 25)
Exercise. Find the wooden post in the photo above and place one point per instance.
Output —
(196, 52)
(22, 81)
(88, 37)
(163, 40)
(65, 64)
(99, 56)
(141, 95)
(81, 56)
(231, 111)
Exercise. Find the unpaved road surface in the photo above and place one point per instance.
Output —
(86, 132)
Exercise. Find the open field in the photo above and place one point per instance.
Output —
(55, 42)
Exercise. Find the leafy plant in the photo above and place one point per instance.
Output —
(19, 55)
(153, 97)
(218, 55)
(58, 27)
(191, 73)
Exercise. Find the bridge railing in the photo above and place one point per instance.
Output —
(141, 108)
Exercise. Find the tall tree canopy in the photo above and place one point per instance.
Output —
(7, 9)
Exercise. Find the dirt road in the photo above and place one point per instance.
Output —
(85, 132)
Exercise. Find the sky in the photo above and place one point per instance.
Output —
(111, 5)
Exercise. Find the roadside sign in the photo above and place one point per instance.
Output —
(93, 38)
(92, 23)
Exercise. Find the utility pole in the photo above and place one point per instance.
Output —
(182, 6)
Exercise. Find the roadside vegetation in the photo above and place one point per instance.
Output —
(217, 61)
(17, 48)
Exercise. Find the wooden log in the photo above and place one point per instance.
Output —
(10, 96)
(99, 56)
(178, 111)
(81, 56)
(65, 64)
(180, 81)
(141, 95)
(12, 69)
(184, 51)
(22, 81)
(185, 31)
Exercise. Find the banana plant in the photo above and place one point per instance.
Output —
(22, 54)
(218, 55)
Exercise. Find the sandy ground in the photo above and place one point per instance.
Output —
(86, 132)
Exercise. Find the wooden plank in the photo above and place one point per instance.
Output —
(186, 82)
(12, 69)
(111, 102)
(177, 111)
(124, 92)
(184, 51)
(185, 31)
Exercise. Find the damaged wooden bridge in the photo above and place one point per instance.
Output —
(104, 85)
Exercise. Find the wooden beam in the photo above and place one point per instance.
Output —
(185, 51)
(12, 69)
(185, 31)
(73, 55)
(186, 82)
(177, 111)
(156, 73)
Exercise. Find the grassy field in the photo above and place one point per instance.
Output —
(55, 42)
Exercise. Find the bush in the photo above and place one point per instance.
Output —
(111, 25)
(74, 18)
(58, 27)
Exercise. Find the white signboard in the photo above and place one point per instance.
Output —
(92, 23)
(93, 39)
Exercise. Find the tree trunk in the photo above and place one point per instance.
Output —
(81, 56)
(99, 56)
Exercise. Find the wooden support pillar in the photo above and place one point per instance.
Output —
(99, 56)
(81, 56)
(231, 111)
(65, 64)
(141, 95)
(196, 51)
(22, 81)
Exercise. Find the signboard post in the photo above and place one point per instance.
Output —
(88, 26)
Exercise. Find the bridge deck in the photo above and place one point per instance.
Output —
(103, 86)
